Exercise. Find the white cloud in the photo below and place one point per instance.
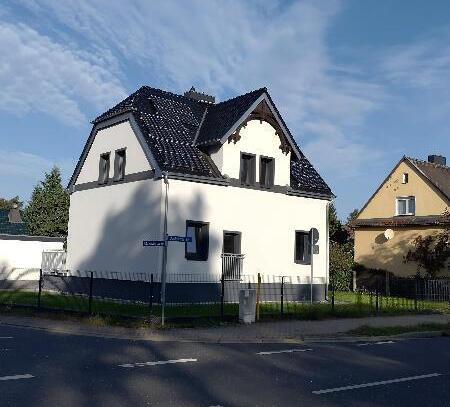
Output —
(235, 46)
(38, 74)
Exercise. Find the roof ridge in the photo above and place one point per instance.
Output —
(445, 167)
(244, 94)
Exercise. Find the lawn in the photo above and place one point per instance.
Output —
(347, 304)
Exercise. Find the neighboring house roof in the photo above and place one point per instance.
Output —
(438, 175)
(399, 221)
(178, 129)
(11, 228)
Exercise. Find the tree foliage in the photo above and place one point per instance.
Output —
(431, 252)
(47, 213)
(10, 203)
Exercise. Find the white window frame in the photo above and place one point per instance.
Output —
(407, 199)
(405, 178)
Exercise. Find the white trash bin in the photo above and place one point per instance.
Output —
(247, 305)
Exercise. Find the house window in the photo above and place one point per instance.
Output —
(266, 172)
(198, 248)
(103, 170)
(119, 165)
(405, 178)
(248, 169)
(302, 248)
(406, 205)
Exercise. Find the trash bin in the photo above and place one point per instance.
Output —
(247, 305)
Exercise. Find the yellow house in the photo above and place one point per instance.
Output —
(409, 202)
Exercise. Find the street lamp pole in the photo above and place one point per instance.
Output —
(164, 259)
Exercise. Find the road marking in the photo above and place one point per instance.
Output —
(159, 362)
(16, 377)
(4, 349)
(374, 343)
(360, 386)
(6, 337)
(283, 351)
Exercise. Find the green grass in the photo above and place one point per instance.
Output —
(396, 330)
(347, 305)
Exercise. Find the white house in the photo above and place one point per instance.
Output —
(238, 185)
(20, 252)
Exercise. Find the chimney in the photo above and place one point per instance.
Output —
(437, 159)
(200, 96)
(14, 215)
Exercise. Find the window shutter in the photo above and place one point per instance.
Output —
(252, 170)
(271, 173)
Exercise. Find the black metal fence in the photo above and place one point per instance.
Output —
(196, 295)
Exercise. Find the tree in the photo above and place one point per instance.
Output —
(47, 213)
(431, 252)
(337, 233)
(10, 203)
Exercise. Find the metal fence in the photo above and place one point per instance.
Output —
(214, 296)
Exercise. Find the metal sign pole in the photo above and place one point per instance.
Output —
(164, 259)
(312, 269)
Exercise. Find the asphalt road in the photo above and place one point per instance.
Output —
(38, 368)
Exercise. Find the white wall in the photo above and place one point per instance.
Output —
(109, 140)
(21, 259)
(257, 138)
(108, 224)
(267, 221)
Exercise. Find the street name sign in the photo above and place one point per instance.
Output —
(153, 243)
(181, 239)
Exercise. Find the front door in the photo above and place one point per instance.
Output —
(232, 242)
(231, 256)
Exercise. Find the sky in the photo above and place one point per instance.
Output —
(359, 83)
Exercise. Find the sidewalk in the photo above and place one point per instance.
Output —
(280, 331)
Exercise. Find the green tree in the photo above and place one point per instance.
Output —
(337, 232)
(341, 266)
(10, 203)
(47, 213)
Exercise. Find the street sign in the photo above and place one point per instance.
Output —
(181, 239)
(313, 236)
(316, 249)
(153, 243)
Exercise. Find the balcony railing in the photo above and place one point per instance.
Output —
(232, 266)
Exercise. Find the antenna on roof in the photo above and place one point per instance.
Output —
(199, 96)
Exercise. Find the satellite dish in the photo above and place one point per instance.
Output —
(388, 234)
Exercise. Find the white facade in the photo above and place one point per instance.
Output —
(109, 223)
(20, 257)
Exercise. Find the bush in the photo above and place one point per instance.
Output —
(341, 266)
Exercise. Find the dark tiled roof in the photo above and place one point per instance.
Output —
(432, 220)
(221, 117)
(175, 127)
(439, 175)
(8, 228)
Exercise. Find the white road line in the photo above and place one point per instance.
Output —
(159, 362)
(6, 337)
(284, 351)
(360, 386)
(374, 343)
(16, 377)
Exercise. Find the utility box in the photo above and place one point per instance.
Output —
(247, 305)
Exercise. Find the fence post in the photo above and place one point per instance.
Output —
(222, 297)
(415, 294)
(282, 296)
(90, 292)
(332, 297)
(258, 291)
(40, 289)
(354, 280)
(388, 288)
(150, 304)
(376, 300)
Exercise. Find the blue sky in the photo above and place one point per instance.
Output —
(360, 83)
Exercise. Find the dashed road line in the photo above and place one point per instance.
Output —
(375, 343)
(381, 383)
(6, 337)
(283, 351)
(16, 377)
(158, 362)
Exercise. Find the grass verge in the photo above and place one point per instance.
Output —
(366, 330)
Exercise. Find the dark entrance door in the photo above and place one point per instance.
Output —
(232, 242)
(231, 256)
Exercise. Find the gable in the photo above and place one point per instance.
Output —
(382, 204)
(108, 140)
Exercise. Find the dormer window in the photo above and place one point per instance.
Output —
(405, 178)
(266, 172)
(103, 168)
(406, 205)
(119, 165)
(248, 169)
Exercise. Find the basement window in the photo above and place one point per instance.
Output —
(198, 248)
(405, 178)
(266, 172)
(103, 168)
(406, 205)
(248, 169)
(302, 247)
(119, 165)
